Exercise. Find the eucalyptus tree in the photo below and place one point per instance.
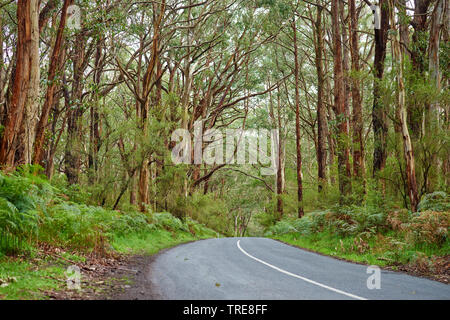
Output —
(25, 78)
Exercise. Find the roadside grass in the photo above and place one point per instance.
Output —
(375, 253)
(331, 245)
(414, 242)
(149, 243)
(37, 218)
(28, 277)
(25, 280)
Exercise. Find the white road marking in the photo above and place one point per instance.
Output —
(299, 277)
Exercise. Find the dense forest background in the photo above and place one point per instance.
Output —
(358, 92)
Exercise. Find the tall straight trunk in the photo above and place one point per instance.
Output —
(20, 84)
(331, 117)
(432, 121)
(297, 125)
(379, 117)
(321, 110)
(347, 87)
(358, 143)
(94, 130)
(31, 116)
(419, 43)
(2, 73)
(280, 158)
(73, 148)
(347, 90)
(418, 59)
(55, 62)
(446, 117)
(276, 123)
(56, 138)
(143, 183)
(404, 27)
(186, 92)
(339, 103)
(148, 79)
(433, 53)
(401, 97)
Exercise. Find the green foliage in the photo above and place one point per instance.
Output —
(23, 199)
(88, 227)
(343, 221)
(429, 227)
(168, 231)
(371, 234)
(23, 280)
(31, 209)
(436, 201)
(210, 211)
(167, 221)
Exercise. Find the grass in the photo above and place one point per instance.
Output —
(329, 244)
(376, 236)
(33, 212)
(149, 243)
(28, 278)
(374, 251)
(27, 281)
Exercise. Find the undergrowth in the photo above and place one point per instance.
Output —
(32, 211)
(372, 234)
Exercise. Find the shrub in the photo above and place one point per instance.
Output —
(169, 222)
(313, 222)
(32, 209)
(281, 227)
(21, 198)
(397, 219)
(88, 227)
(429, 227)
(436, 201)
(343, 221)
(355, 220)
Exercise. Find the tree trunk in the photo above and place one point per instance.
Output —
(73, 149)
(419, 44)
(297, 125)
(31, 116)
(433, 54)
(418, 59)
(378, 112)
(358, 125)
(148, 79)
(280, 164)
(56, 138)
(321, 110)
(347, 89)
(401, 97)
(404, 30)
(94, 130)
(55, 62)
(339, 103)
(20, 84)
(3, 76)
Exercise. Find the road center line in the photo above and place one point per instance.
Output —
(297, 276)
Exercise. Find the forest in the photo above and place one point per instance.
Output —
(353, 95)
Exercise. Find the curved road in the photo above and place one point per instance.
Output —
(264, 269)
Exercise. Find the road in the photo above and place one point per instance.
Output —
(264, 269)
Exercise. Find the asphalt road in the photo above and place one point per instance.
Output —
(264, 269)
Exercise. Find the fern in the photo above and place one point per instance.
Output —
(436, 201)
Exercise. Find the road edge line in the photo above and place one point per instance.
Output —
(299, 277)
